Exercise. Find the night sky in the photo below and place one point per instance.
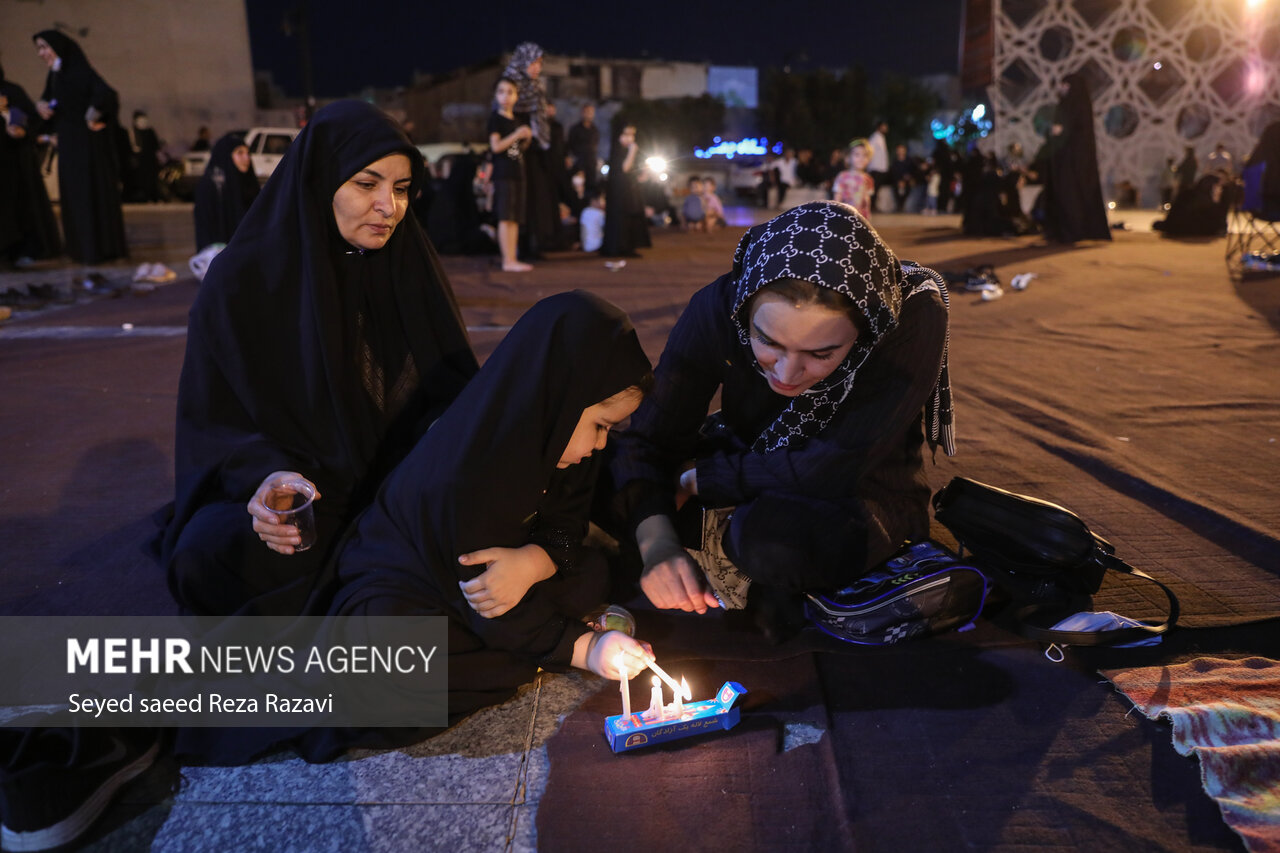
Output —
(381, 44)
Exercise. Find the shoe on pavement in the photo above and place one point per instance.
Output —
(57, 782)
(96, 284)
(160, 274)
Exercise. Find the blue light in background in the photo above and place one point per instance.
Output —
(748, 147)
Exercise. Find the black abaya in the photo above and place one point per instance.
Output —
(88, 166)
(223, 195)
(305, 355)
(27, 224)
(625, 228)
(1073, 205)
(1200, 211)
(453, 217)
(486, 476)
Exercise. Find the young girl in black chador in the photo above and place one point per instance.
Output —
(826, 351)
(324, 340)
(483, 522)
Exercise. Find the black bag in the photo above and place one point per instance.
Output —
(921, 590)
(1044, 556)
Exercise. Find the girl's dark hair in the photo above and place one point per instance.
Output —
(801, 292)
(513, 83)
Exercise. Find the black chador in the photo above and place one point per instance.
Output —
(224, 194)
(28, 227)
(486, 476)
(88, 162)
(304, 354)
(1073, 205)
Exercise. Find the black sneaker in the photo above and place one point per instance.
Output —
(57, 782)
(96, 284)
(50, 293)
(21, 300)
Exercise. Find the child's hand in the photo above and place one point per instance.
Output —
(510, 573)
(605, 651)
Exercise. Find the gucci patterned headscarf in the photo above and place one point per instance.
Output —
(829, 244)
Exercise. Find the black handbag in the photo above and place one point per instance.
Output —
(1044, 556)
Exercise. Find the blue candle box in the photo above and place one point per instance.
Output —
(638, 730)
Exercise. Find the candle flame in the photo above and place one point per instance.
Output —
(684, 689)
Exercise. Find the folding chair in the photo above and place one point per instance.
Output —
(1253, 231)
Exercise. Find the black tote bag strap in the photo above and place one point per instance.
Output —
(1035, 621)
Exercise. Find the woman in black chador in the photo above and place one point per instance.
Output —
(625, 227)
(226, 190)
(28, 228)
(1200, 211)
(1073, 205)
(81, 109)
(324, 340)
(829, 355)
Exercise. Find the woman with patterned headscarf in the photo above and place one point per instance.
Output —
(525, 69)
(829, 355)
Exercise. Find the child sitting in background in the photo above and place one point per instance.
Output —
(711, 205)
(692, 211)
(854, 186)
(591, 222)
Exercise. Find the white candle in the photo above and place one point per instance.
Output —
(671, 682)
(623, 685)
(655, 699)
(677, 706)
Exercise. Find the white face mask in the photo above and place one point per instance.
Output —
(1103, 620)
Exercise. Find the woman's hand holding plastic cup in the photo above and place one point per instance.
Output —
(283, 512)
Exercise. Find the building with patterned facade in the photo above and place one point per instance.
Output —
(1164, 74)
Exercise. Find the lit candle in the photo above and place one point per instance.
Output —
(677, 705)
(671, 682)
(655, 699)
(623, 685)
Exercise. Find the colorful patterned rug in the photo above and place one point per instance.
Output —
(1227, 713)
